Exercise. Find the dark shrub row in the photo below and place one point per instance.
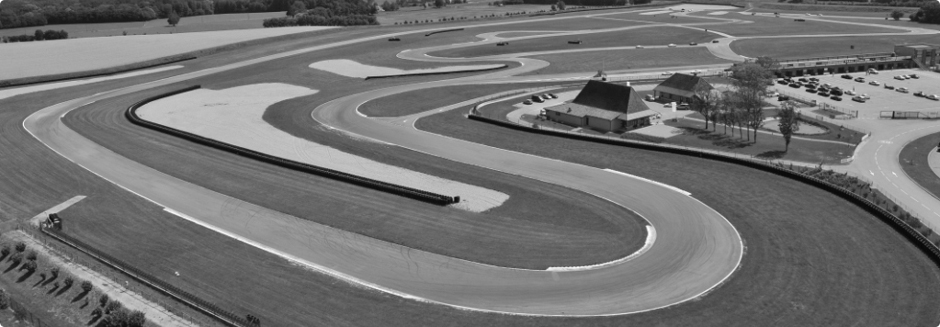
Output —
(38, 36)
(317, 20)
(405, 191)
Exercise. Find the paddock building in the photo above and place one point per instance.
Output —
(681, 88)
(605, 107)
(919, 55)
(925, 56)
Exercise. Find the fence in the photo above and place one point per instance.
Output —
(227, 317)
(772, 166)
(405, 191)
(21, 313)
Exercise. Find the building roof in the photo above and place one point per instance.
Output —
(682, 85)
(604, 100)
(924, 46)
(580, 110)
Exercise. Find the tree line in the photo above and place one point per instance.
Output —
(326, 13)
(39, 35)
(929, 14)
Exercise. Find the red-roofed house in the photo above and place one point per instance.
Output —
(603, 106)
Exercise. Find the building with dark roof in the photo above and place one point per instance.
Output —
(681, 88)
(922, 54)
(603, 106)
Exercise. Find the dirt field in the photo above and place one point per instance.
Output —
(65, 56)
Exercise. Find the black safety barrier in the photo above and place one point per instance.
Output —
(444, 31)
(437, 73)
(405, 191)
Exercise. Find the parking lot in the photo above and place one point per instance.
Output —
(882, 99)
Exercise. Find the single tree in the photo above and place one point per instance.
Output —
(897, 14)
(86, 286)
(789, 123)
(136, 319)
(560, 5)
(29, 266)
(5, 250)
(54, 272)
(112, 307)
(103, 300)
(173, 19)
(39, 35)
(31, 256)
(68, 281)
(705, 101)
(20, 246)
(299, 7)
(553, 8)
(439, 3)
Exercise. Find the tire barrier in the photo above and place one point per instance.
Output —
(405, 191)
(227, 317)
(437, 73)
(905, 229)
(444, 31)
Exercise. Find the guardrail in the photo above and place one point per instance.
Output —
(405, 191)
(437, 73)
(444, 31)
(227, 317)
(906, 230)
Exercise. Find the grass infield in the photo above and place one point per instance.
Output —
(766, 26)
(913, 159)
(626, 59)
(404, 104)
(796, 48)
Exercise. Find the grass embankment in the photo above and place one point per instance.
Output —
(913, 159)
(796, 235)
(797, 48)
(768, 26)
(626, 59)
(413, 102)
(628, 38)
(158, 26)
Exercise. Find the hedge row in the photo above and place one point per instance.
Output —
(405, 191)
(906, 230)
(229, 318)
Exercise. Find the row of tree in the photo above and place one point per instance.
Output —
(742, 107)
(929, 14)
(39, 35)
(319, 20)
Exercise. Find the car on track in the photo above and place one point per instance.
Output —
(693, 43)
(846, 76)
(919, 94)
(858, 99)
(934, 97)
(890, 87)
(672, 45)
(860, 79)
(836, 98)
(903, 90)
(502, 44)
(667, 73)
(527, 102)
(874, 83)
(394, 38)
(639, 47)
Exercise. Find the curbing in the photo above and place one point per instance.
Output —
(906, 230)
(437, 73)
(405, 191)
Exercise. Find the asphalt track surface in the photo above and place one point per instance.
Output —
(695, 250)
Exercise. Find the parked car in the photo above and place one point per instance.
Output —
(693, 43)
(914, 76)
(860, 79)
(823, 93)
(714, 41)
(858, 99)
(836, 97)
(574, 42)
(875, 83)
(667, 73)
(783, 98)
(890, 87)
(905, 76)
(836, 92)
(683, 106)
(919, 94)
(672, 45)
(799, 20)
(502, 44)
(873, 71)
(934, 97)
(849, 92)
(553, 95)
(649, 97)
(814, 79)
(847, 76)
(803, 80)
(527, 102)
(796, 85)
(899, 77)
(865, 96)
(903, 90)
(537, 99)
(827, 85)
(782, 82)
(810, 90)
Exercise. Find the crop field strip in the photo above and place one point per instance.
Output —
(402, 317)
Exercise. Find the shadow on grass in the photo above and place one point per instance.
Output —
(41, 279)
(11, 267)
(94, 319)
(80, 296)
(50, 280)
(29, 273)
(53, 289)
(63, 290)
(774, 154)
(719, 140)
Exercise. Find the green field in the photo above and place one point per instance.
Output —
(913, 159)
(158, 26)
(904, 22)
(766, 26)
(633, 37)
(403, 104)
(468, 10)
(823, 46)
(627, 59)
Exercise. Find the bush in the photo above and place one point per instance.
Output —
(103, 300)
(54, 272)
(112, 306)
(86, 286)
(4, 299)
(5, 250)
(31, 256)
(68, 281)
(97, 312)
(16, 258)
(173, 19)
(29, 266)
(136, 319)
(20, 247)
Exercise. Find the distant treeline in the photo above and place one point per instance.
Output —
(21, 13)
(592, 3)
(327, 13)
(929, 14)
(38, 36)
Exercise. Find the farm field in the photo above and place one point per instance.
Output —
(157, 26)
(468, 10)
(626, 59)
(660, 18)
(767, 26)
(904, 22)
(831, 13)
(796, 48)
(46, 58)
(633, 37)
